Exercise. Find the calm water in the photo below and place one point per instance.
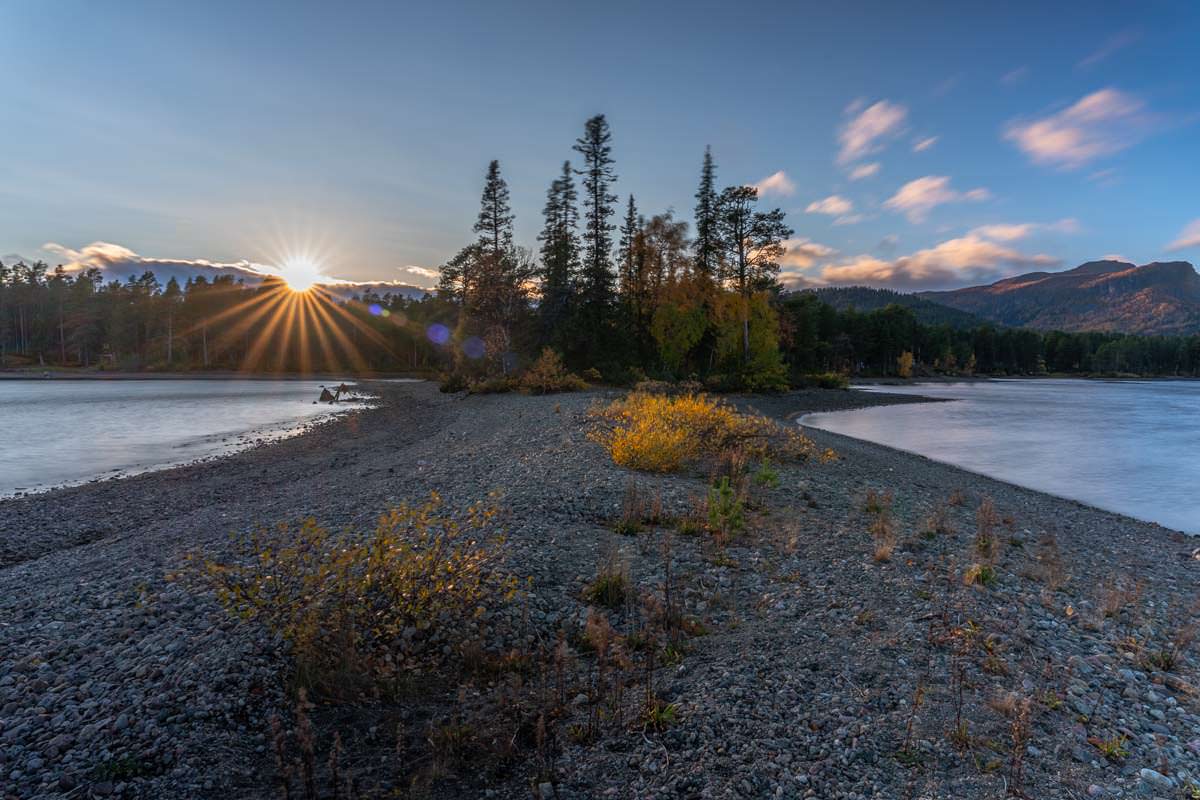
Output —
(1130, 447)
(54, 432)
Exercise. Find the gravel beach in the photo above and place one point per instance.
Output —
(824, 673)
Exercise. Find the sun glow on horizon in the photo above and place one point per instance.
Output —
(301, 274)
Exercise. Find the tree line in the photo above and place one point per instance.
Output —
(818, 338)
(609, 288)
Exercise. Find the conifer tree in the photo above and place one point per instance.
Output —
(625, 250)
(707, 248)
(560, 255)
(494, 225)
(596, 285)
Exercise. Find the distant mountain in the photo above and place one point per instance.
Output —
(1158, 298)
(865, 299)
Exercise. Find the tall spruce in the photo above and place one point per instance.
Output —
(707, 247)
(494, 225)
(596, 285)
(560, 255)
(626, 249)
(753, 244)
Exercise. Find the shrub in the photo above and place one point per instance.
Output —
(826, 380)
(660, 433)
(548, 375)
(592, 375)
(357, 607)
(726, 510)
(497, 385)
(453, 382)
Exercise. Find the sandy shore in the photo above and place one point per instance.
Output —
(116, 681)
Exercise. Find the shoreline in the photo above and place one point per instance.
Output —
(804, 627)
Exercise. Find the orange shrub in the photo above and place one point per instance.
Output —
(661, 433)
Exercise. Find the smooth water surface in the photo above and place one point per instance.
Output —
(56, 432)
(1127, 446)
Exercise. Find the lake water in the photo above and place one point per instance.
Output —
(55, 432)
(1127, 446)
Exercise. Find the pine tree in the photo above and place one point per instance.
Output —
(596, 290)
(707, 247)
(495, 216)
(560, 255)
(625, 250)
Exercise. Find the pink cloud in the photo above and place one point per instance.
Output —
(864, 171)
(1098, 125)
(777, 183)
(1188, 238)
(862, 134)
(917, 198)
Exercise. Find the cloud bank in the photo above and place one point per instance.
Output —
(117, 262)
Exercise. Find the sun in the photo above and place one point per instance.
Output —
(300, 275)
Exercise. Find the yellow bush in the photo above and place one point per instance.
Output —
(548, 374)
(361, 608)
(662, 433)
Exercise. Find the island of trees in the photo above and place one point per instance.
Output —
(615, 292)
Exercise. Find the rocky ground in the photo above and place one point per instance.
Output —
(822, 672)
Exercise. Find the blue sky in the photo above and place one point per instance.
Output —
(358, 133)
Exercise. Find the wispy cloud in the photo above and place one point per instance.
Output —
(1188, 238)
(864, 171)
(1014, 76)
(1113, 44)
(921, 145)
(867, 128)
(971, 258)
(1101, 124)
(777, 183)
(917, 198)
(1011, 232)
(834, 206)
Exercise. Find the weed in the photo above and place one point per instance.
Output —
(1019, 734)
(987, 543)
(876, 503)
(611, 587)
(633, 512)
(883, 534)
(981, 575)
(659, 715)
(938, 521)
(1112, 748)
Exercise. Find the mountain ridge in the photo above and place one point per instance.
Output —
(1159, 298)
